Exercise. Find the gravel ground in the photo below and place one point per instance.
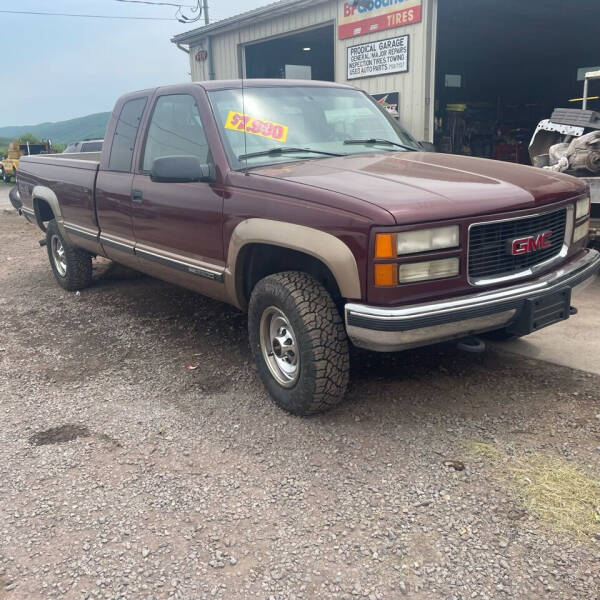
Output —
(127, 476)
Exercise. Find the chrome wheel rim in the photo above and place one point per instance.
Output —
(279, 347)
(58, 255)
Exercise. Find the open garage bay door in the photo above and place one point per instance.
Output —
(304, 55)
(502, 67)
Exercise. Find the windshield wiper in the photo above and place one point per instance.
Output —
(285, 150)
(379, 141)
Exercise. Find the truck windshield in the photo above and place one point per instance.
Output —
(325, 121)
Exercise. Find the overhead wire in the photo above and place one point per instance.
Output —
(86, 16)
(176, 4)
(195, 9)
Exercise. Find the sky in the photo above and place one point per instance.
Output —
(58, 68)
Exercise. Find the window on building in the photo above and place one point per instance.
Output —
(121, 152)
(175, 130)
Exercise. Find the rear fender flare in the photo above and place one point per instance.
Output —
(44, 193)
(327, 248)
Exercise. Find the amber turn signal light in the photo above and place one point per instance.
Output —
(385, 245)
(386, 275)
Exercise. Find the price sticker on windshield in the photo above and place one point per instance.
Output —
(268, 129)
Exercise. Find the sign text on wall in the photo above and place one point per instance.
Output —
(378, 15)
(383, 57)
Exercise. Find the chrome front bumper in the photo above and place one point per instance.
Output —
(393, 329)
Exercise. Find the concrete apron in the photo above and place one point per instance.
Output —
(573, 343)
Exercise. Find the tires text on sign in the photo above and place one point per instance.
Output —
(378, 15)
(378, 58)
(268, 129)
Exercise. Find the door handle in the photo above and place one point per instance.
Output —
(137, 196)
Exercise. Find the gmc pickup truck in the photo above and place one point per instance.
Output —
(306, 205)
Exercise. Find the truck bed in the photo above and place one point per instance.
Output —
(72, 177)
(73, 159)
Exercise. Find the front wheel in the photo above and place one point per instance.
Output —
(72, 267)
(299, 343)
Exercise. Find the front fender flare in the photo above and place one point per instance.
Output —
(327, 248)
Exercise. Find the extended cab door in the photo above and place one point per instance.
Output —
(178, 226)
(115, 177)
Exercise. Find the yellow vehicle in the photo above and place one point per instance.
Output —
(16, 149)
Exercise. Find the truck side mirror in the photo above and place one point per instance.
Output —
(180, 169)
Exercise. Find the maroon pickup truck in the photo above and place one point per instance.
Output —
(306, 205)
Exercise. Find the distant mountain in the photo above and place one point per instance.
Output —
(63, 132)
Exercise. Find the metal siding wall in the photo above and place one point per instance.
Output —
(199, 70)
(320, 14)
(414, 87)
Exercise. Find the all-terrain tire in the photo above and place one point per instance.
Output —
(319, 339)
(73, 270)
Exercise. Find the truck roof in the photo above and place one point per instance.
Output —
(237, 83)
(227, 84)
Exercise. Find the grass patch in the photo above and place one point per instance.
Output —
(483, 450)
(560, 494)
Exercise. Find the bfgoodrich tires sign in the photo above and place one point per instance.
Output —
(376, 15)
(378, 58)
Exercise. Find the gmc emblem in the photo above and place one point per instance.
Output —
(532, 243)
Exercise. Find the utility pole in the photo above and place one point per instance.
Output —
(205, 11)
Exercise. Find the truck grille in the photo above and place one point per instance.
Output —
(489, 254)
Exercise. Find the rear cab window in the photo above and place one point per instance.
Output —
(126, 130)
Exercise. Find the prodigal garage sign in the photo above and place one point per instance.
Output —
(378, 58)
(377, 15)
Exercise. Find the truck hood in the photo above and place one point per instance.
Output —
(417, 186)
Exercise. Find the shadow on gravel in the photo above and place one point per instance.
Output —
(106, 272)
(59, 435)
(180, 318)
(169, 327)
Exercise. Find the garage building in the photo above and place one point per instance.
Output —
(475, 76)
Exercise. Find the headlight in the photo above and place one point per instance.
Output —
(581, 231)
(433, 269)
(426, 240)
(582, 208)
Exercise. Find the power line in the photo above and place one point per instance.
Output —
(52, 14)
(196, 9)
(179, 5)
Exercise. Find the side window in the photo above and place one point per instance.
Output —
(175, 130)
(91, 147)
(126, 130)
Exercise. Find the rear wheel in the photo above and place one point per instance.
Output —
(72, 267)
(299, 343)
